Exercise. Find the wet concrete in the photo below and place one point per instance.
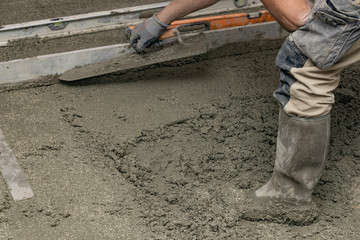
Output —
(145, 154)
(19, 11)
(36, 46)
(140, 155)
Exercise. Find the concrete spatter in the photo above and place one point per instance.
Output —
(180, 169)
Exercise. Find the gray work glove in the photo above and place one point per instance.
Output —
(146, 33)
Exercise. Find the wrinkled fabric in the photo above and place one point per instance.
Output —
(311, 58)
(331, 30)
(288, 57)
(312, 93)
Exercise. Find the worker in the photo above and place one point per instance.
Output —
(323, 40)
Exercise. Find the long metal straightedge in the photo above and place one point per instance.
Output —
(99, 21)
(13, 173)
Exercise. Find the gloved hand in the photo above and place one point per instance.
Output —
(146, 33)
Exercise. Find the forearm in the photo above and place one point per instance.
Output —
(180, 8)
(291, 14)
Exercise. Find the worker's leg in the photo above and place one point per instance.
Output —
(302, 145)
(310, 61)
(306, 98)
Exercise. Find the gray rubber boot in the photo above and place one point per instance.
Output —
(302, 147)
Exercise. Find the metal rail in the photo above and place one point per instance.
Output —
(99, 21)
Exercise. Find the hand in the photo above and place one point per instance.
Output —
(146, 33)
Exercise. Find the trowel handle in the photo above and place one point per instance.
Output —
(158, 45)
(214, 22)
(176, 30)
(129, 29)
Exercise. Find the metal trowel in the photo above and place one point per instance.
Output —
(174, 48)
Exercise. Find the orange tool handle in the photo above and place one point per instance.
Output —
(221, 21)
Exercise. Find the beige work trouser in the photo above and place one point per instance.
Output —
(311, 95)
